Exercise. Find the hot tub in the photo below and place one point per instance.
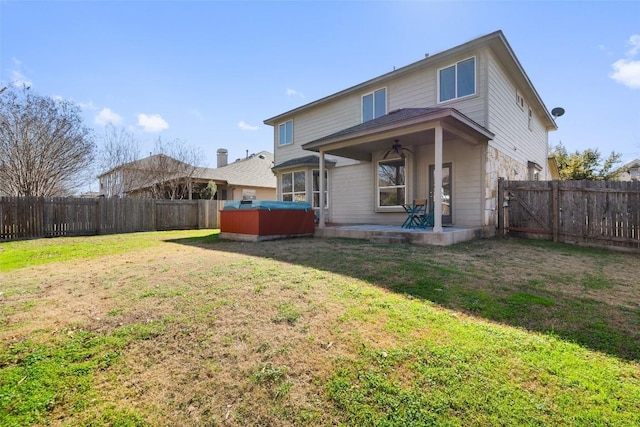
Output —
(257, 220)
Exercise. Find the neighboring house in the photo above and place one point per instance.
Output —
(161, 176)
(629, 171)
(444, 128)
(143, 176)
(245, 179)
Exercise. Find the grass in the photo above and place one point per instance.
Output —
(180, 328)
(15, 255)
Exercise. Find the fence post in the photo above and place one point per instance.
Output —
(99, 205)
(555, 209)
(154, 214)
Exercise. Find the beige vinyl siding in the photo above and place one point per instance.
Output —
(466, 167)
(420, 89)
(467, 184)
(473, 106)
(413, 90)
(353, 198)
(317, 123)
(510, 123)
(353, 192)
(235, 193)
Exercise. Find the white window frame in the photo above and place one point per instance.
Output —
(379, 188)
(288, 136)
(314, 191)
(519, 100)
(297, 195)
(455, 80)
(373, 97)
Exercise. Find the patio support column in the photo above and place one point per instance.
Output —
(321, 222)
(437, 182)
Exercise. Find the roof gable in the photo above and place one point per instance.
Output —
(496, 41)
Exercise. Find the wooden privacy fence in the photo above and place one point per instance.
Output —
(584, 212)
(31, 217)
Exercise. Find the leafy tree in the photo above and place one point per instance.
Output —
(585, 165)
(44, 148)
(209, 192)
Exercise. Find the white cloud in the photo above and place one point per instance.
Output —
(106, 116)
(152, 122)
(17, 76)
(293, 92)
(627, 72)
(634, 42)
(245, 126)
(88, 106)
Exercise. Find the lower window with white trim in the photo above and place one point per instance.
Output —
(391, 182)
(293, 185)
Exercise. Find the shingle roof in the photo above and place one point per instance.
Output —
(392, 117)
(254, 171)
(310, 160)
(148, 163)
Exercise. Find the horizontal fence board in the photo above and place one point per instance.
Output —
(602, 212)
(34, 217)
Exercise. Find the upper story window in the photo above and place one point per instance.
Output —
(285, 133)
(391, 182)
(374, 105)
(457, 81)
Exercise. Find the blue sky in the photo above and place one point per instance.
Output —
(210, 72)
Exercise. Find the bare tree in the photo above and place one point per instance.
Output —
(166, 174)
(44, 148)
(173, 169)
(120, 150)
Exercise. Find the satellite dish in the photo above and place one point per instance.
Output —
(557, 112)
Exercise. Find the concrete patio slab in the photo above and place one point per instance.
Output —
(397, 234)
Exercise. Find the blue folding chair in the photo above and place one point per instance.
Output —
(416, 214)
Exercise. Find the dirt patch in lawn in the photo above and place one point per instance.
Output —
(234, 325)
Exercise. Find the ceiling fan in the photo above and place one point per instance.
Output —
(397, 148)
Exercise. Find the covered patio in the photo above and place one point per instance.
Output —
(414, 130)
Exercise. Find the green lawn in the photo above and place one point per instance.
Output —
(181, 328)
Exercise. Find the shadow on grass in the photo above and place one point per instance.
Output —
(469, 278)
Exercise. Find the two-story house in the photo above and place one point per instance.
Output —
(444, 128)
